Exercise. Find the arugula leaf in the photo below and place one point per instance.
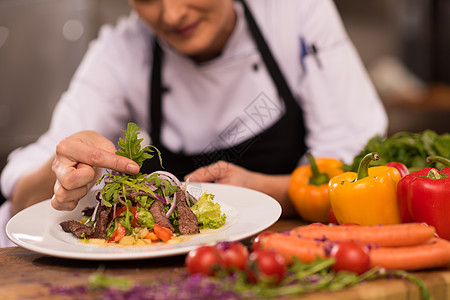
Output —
(131, 146)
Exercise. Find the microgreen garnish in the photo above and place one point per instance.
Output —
(131, 146)
(117, 187)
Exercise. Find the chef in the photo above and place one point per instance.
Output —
(230, 91)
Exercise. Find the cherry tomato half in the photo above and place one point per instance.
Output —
(205, 260)
(257, 240)
(118, 234)
(234, 255)
(350, 256)
(267, 266)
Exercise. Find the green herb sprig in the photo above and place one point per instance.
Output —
(123, 184)
(131, 146)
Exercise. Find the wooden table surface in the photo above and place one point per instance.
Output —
(28, 275)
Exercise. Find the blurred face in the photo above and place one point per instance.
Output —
(196, 28)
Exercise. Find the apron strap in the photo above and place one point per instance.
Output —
(274, 70)
(156, 93)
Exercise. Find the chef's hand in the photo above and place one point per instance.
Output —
(228, 173)
(222, 172)
(77, 165)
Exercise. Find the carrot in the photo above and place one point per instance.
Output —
(288, 246)
(151, 235)
(163, 233)
(406, 234)
(433, 254)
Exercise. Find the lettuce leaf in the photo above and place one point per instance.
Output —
(208, 212)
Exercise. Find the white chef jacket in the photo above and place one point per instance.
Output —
(111, 86)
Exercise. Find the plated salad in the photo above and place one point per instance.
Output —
(144, 208)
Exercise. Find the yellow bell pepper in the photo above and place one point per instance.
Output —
(368, 197)
(308, 188)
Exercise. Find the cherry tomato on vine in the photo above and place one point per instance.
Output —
(205, 260)
(234, 255)
(257, 241)
(267, 266)
(350, 256)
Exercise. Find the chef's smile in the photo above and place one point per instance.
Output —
(196, 28)
(187, 30)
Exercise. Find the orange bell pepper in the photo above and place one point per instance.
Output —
(308, 188)
(368, 197)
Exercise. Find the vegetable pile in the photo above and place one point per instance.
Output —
(275, 266)
(408, 246)
(409, 148)
(144, 208)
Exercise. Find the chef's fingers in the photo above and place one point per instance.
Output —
(64, 199)
(93, 153)
(213, 172)
(72, 175)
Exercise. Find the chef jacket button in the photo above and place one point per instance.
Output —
(165, 89)
(255, 67)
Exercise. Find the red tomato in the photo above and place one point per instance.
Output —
(257, 241)
(133, 211)
(118, 234)
(234, 255)
(266, 265)
(205, 260)
(163, 233)
(350, 256)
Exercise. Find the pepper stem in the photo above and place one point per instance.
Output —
(317, 178)
(439, 159)
(363, 169)
(434, 174)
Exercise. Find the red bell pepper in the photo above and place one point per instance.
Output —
(424, 196)
(400, 167)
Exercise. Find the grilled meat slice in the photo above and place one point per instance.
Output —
(77, 228)
(103, 219)
(188, 223)
(159, 214)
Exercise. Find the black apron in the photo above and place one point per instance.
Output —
(276, 150)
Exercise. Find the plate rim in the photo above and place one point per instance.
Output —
(127, 255)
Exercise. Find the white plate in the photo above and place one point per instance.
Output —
(37, 227)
